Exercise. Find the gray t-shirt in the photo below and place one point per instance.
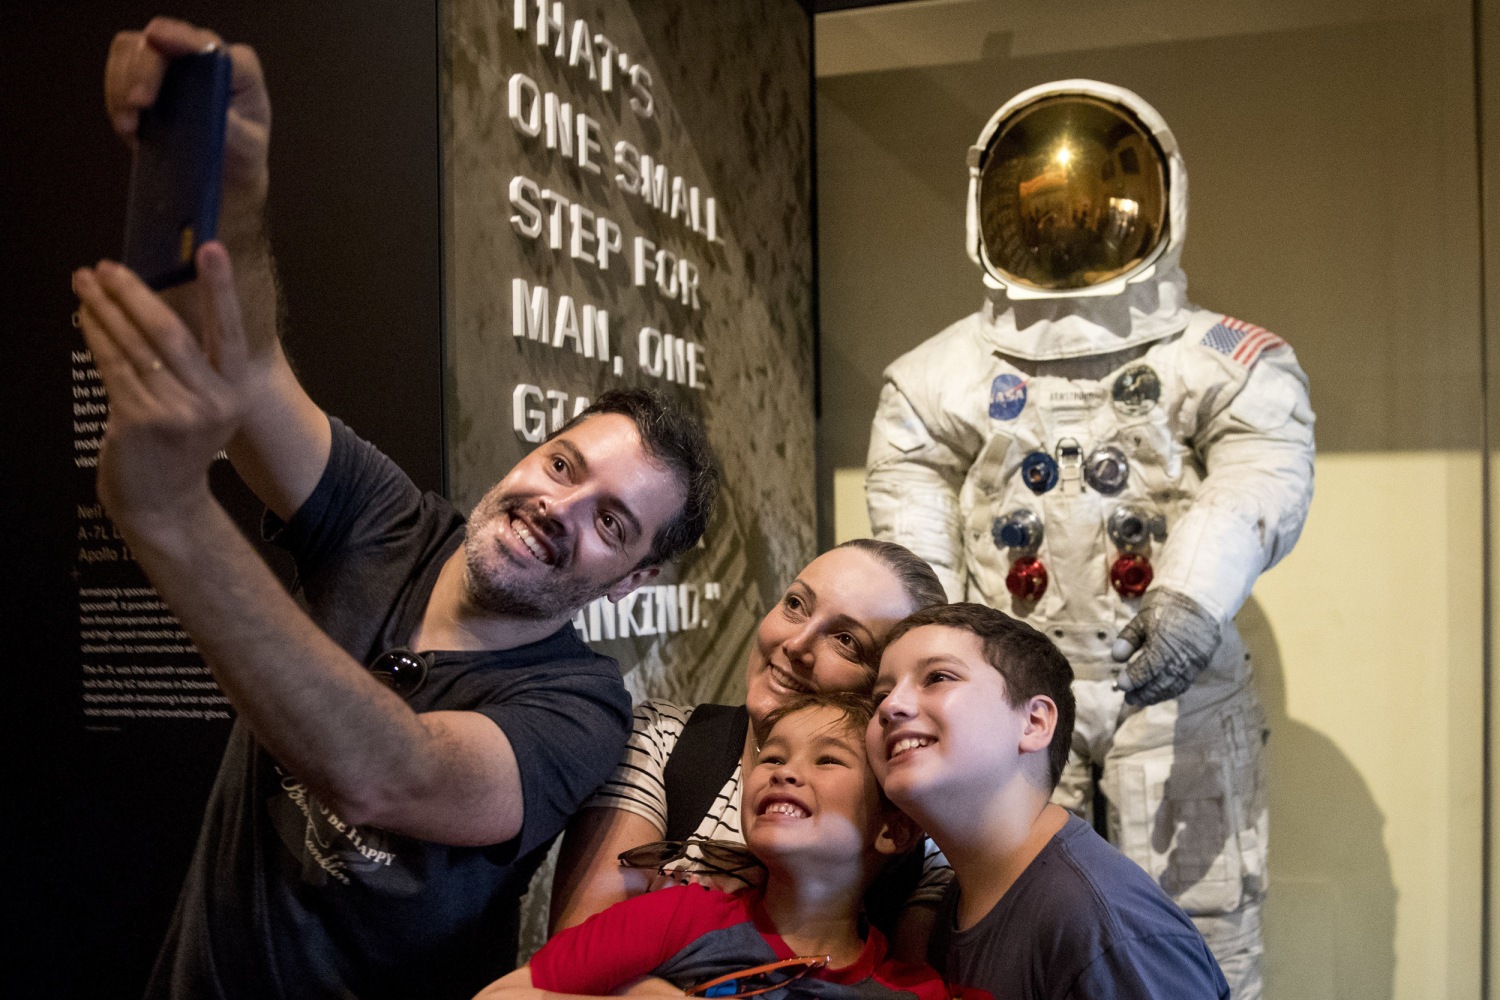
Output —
(1082, 921)
(286, 899)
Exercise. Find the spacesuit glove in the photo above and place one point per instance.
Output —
(1172, 638)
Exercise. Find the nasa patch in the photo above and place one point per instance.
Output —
(1007, 397)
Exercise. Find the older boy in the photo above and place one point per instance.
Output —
(816, 819)
(974, 720)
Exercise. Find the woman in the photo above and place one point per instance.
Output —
(825, 634)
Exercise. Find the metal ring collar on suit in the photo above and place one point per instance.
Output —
(1039, 472)
(1020, 529)
(1106, 470)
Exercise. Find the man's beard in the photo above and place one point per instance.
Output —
(550, 597)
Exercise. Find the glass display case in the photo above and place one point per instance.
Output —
(1338, 158)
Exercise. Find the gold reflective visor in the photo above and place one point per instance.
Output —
(1072, 193)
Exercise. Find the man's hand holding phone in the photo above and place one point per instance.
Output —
(134, 73)
(282, 436)
(133, 77)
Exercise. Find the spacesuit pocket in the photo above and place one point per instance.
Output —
(1176, 816)
(993, 467)
(1246, 731)
(899, 431)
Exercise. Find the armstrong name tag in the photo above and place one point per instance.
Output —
(1073, 397)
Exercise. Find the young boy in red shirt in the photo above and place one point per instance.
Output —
(817, 821)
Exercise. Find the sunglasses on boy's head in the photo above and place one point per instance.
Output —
(759, 979)
(695, 856)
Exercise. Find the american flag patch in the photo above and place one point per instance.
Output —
(1243, 342)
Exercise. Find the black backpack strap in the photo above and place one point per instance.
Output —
(706, 755)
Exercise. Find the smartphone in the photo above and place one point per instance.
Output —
(177, 171)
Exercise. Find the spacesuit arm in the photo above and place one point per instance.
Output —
(1257, 449)
(912, 486)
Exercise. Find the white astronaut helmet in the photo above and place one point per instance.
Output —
(1078, 205)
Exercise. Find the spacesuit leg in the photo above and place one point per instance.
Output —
(1096, 712)
(1235, 940)
(1186, 785)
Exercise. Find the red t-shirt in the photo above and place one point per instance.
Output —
(690, 934)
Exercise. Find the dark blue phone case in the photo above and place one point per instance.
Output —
(177, 172)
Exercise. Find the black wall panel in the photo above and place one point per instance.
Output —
(101, 823)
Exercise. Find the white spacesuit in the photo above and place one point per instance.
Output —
(1093, 454)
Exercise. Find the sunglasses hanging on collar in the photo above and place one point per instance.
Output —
(401, 670)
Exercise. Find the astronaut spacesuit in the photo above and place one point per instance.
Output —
(1116, 466)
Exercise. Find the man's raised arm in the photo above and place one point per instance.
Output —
(282, 443)
(175, 400)
(201, 369)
